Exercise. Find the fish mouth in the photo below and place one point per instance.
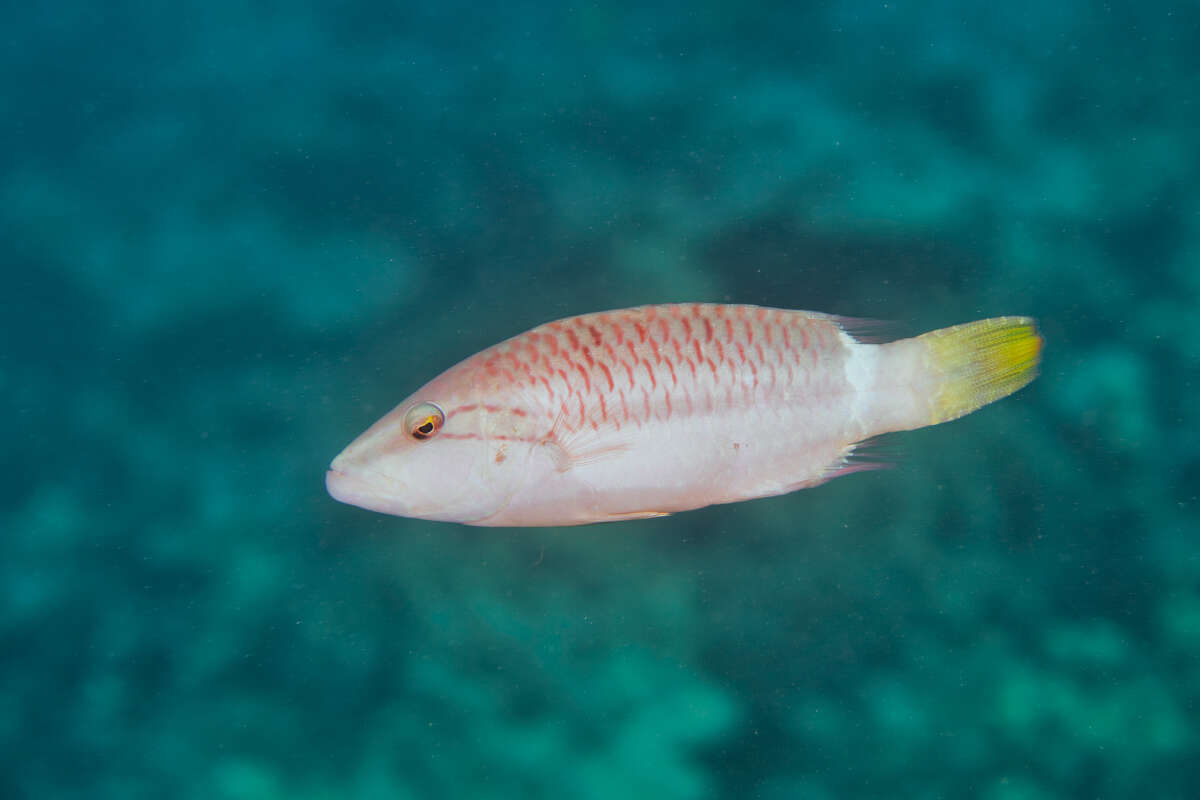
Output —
(364, 491)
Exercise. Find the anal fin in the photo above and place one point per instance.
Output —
(622, 516)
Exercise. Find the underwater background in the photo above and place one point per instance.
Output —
(234, 234)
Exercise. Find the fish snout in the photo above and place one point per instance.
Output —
(363, 489)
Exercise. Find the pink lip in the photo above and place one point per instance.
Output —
(352, 489)
(341, 487)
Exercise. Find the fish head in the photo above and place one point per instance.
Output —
(453, 451)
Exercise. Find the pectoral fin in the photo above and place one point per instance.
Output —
(576, 448)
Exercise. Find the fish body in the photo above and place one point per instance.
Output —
(647, 411)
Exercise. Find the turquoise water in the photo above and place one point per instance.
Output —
(235, 234)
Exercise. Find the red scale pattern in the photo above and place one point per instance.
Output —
(651, 363)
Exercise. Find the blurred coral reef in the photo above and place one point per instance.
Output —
(235, 235)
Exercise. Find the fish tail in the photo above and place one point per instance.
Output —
(978, 363)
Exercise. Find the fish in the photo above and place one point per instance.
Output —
(647, 411)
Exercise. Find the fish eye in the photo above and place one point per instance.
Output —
(423, 421)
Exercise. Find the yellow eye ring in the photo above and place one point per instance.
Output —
(423, 421)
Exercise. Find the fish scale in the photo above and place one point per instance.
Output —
(654, 363)
(647, 411)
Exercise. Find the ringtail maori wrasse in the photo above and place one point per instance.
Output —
(647, 411)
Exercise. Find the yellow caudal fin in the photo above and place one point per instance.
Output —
(980, 362)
